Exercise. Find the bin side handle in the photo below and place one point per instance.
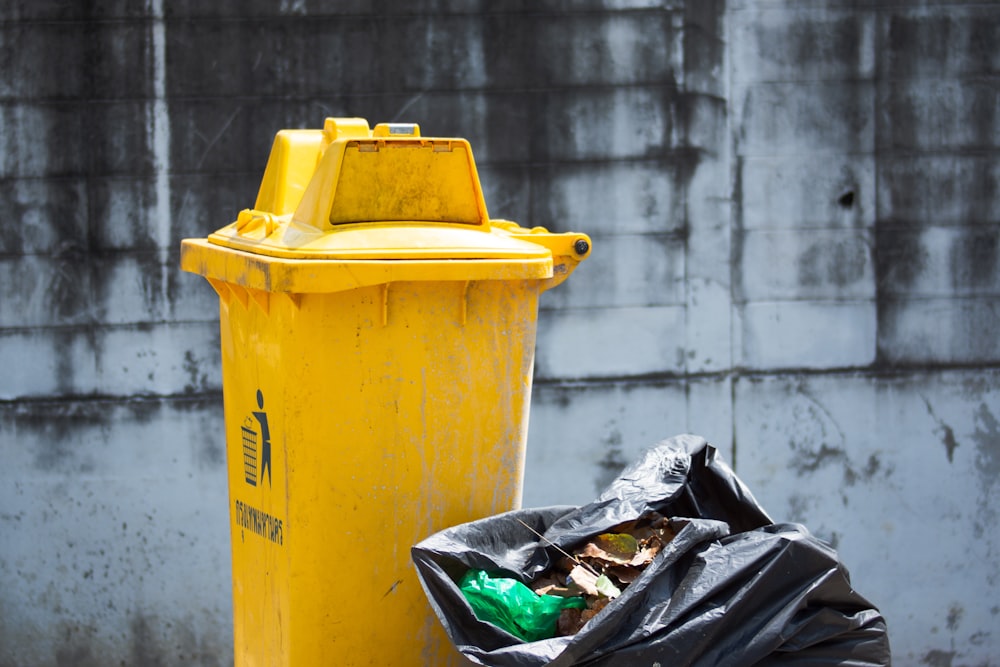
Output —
(568, 249)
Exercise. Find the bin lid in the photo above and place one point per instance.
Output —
(348, 206)
(389, 195)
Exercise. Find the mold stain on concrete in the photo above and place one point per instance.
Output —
(811, 460)
(738, 232)
(76, 656)
(866, 474)
(69, 283)
(954, 617)
(613, 461)
(973, 259)
(144, 649)
(833, 539)
(197, 379)
(900, 258)
(840, 264)
(821, 445)
(987, 439)
(52, 426)
(938, 658)
(943, 431)
(987, 465)
(798, 508)
(211, 452)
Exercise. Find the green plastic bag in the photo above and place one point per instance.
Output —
(512, 606)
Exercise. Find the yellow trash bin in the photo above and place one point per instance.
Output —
(378, 334)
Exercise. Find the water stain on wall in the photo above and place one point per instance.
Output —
(938, 658)
(900, 258)
(810, 459)
(612, 462)
(987, 438)
(69, 288)
(53, 427)
(954, 617)
(841, 263)
(76, 655)
(145, 648)
(973, 259)
(943, 431)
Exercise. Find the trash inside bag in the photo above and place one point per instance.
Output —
(725, 586)
(511, 605)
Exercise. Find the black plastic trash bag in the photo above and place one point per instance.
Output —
(732, 588)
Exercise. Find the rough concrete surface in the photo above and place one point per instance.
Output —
(794, 215)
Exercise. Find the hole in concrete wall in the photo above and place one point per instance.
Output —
(846, 200)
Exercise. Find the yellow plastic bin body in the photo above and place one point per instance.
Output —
(378, 334)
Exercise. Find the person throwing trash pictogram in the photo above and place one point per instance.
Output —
(265, 436)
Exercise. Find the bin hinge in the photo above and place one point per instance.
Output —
(568, 249)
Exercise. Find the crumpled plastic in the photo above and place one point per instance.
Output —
(732, 588)
(510, 604)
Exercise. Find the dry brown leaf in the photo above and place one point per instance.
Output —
(569, 622)
(559, 591)
(593, 609)
(625, 573)
(618, 548)
(645, 556)
(544, 581)
(565, 564)
(585, 579)
(622, 553)
(599, 604)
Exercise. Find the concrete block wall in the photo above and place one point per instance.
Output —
(111, 504)
(641, 330)
(793, 215)
(864, 301)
